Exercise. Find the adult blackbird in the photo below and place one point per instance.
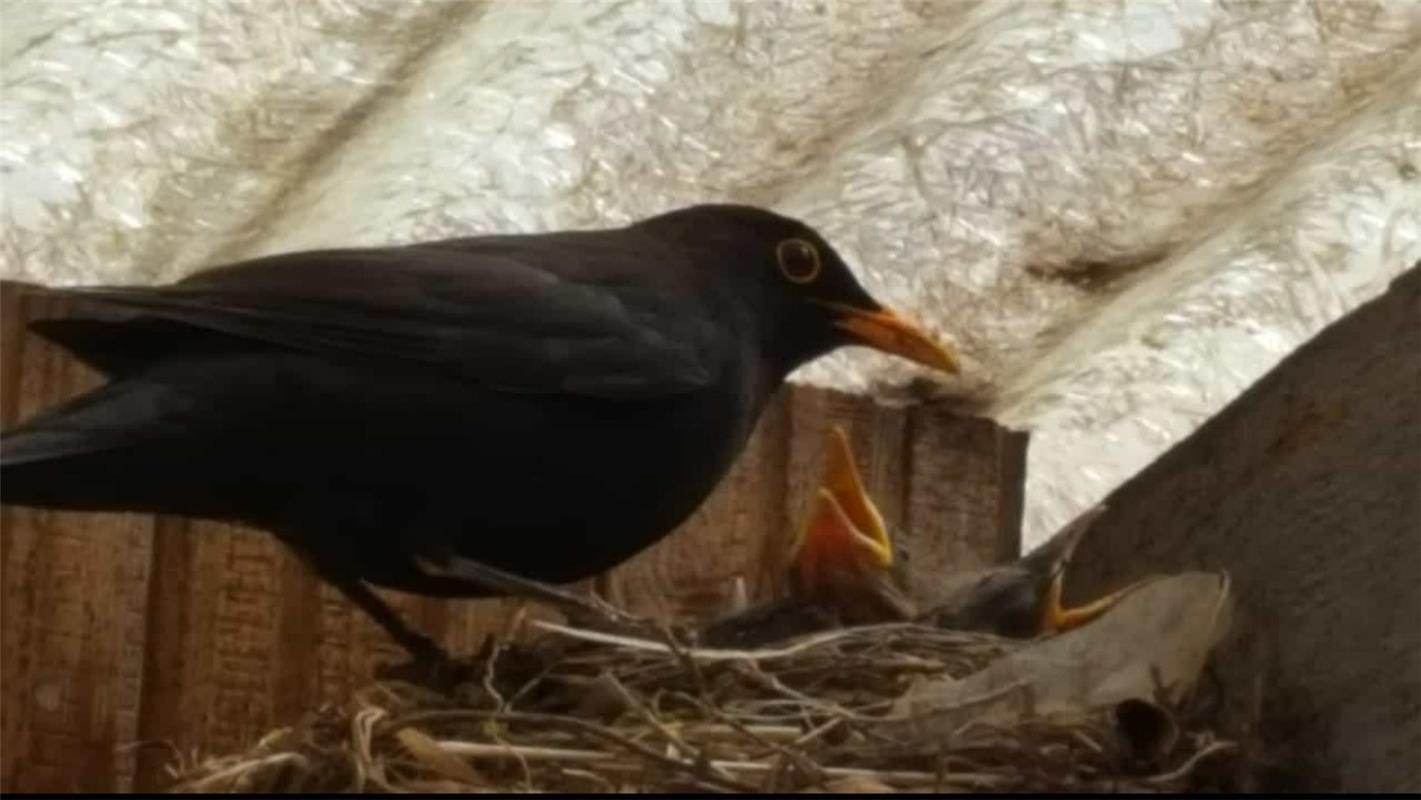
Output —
(452, 418)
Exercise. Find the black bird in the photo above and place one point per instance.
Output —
(1022, 600)
(447, 418)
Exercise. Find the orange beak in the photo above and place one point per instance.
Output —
(1055, 617)
(891, 333)
(843, 533)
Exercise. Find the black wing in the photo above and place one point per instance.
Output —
(574, 313)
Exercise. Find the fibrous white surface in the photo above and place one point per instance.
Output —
(1122, 212)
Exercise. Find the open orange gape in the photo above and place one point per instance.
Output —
(842, 554)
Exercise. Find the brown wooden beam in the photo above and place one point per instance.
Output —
(1307, 488)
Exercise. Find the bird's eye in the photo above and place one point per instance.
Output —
(799, 260)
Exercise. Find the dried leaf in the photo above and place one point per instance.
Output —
(1158, 637)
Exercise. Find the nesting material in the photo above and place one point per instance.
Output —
(880, 708)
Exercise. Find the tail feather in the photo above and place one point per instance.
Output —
(76, 483)
(118, 347)
(30, 446)
(79, 455)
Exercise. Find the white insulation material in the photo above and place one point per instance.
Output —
(1122, 211)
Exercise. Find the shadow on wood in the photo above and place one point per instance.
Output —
(1307, 488)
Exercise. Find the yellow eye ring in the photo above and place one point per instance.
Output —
(799, 260)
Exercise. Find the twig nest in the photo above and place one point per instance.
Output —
(583, 711)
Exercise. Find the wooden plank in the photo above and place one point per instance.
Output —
(235, 641)
(13, 548)
(964, 496)
(74, 591)
(1307, 488)
(167, 694)
(214, 650)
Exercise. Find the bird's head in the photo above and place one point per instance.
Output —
(842, 553)
(807, 300)
(1023, 599)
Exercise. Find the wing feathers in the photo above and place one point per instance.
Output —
(497, 313)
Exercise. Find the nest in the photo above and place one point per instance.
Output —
(581, 711)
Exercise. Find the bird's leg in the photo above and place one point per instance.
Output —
(415, 643)
(429, 664)
(496, 580)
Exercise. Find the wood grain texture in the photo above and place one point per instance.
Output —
(73, 591)
(120, 629)
(1307, 488)
(963, 506)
